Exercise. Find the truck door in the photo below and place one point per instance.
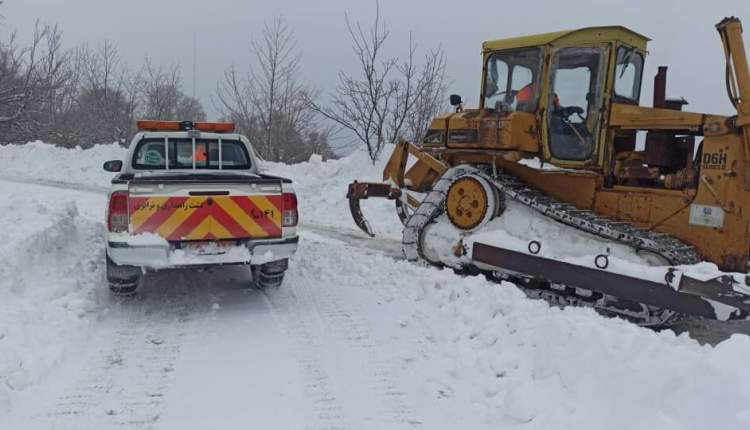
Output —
(573, 114)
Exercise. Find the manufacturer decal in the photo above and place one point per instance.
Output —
(707, 216)
(715, 160)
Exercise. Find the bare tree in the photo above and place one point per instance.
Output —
(270, 103)
(361, 104)
(419, 96)
(429, 99)
(234, 95)
(388, 99)
(273, 79)
(29, 78)
(82, 96)
(163, 98)
(190, 108)
(161, 91)
(107, 101)
(60, 126)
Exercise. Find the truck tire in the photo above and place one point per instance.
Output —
(122, 280)
(271, 274)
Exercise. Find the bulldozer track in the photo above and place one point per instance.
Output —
(671, 249)
(640, 240)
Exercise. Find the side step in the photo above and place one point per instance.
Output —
(717, 298)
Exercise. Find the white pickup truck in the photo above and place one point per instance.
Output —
(191, 195)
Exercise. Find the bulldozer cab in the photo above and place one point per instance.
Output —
(568, 80)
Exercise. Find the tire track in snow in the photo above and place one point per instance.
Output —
(298, 321)
(125, 383)
(348, 324)
(330, 330)
(355, 239)
(94, 189)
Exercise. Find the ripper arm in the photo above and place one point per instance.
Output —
(418, 178)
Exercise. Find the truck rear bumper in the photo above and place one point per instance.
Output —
(165, 255)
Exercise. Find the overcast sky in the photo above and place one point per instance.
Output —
(682, 31)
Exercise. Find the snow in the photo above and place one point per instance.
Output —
(142, 239)
(519, 225)
(536, 163)
(321, 188)
(51, 252)
(355, 338)
(512, 361)
(37, 161)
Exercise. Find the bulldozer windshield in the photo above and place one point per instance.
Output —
(511, 81)
(628, 73)
(574, 111)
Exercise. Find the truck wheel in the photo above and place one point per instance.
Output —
(271, 274)
(122, 279)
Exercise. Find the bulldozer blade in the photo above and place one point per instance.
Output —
(723, 290)
(363, 190)
(715, 299)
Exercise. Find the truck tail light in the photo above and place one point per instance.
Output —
(117, 221)
(289, 214)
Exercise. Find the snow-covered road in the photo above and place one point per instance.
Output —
(203, 350)
(356, 338)
(206, 350)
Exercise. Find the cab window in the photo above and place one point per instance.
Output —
(575, 102)
(628, 73)
(511, 81)
(152, 154)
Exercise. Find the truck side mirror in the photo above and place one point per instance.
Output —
(113, 165)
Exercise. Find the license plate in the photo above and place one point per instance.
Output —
(207, 248)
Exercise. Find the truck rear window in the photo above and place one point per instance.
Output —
(152, 154)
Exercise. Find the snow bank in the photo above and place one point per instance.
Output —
(40, 161)
(546, 368)
(513, 362)
(51, 267)
(321, 185)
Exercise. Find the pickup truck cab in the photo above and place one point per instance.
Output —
(191, 195)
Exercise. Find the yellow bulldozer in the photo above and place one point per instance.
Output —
(559, 131)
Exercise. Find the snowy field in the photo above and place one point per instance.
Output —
(354, 339)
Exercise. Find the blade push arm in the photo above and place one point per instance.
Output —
(738, 81)
(738, 74)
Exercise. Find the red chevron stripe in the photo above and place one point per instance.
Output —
(157, 218)
(265, 223)
(229, 223)
(190, 223)
(277, 201)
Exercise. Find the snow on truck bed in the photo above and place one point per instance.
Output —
(456, 352)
